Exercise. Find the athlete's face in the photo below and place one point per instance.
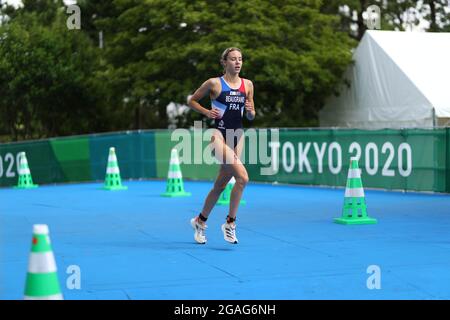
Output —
(233, 64)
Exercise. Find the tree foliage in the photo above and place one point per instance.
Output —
(398, 15)
(161, 51)
(51, 82)
(55, 81)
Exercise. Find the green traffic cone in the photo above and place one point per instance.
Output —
(42, 278)
(113, 181)
(175, 186)
(25, 179)
(225, 196)
(355, 210)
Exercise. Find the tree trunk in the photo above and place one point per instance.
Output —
(137, 118)
(433, 24)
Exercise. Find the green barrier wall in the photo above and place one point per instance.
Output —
(195, 169)
(447, 155)
(409, 159)
(390, 159)
(81, 158)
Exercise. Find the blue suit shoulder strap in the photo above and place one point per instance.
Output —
(224, 85)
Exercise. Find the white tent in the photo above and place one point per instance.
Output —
(398, 80)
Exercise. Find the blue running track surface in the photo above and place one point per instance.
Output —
(135, 244)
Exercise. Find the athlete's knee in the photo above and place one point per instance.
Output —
(242, 179)
(219, 187)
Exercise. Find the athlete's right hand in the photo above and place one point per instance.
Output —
(213, 113)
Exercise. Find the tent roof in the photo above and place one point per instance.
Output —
(424, 57)
(399, 79)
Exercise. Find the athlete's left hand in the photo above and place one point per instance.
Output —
(250, 110)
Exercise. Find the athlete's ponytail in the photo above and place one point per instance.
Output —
(224, 56)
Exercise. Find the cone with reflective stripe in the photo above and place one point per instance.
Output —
(355, 209)
(225, 196)
(42, 279)
(112, 180)
(25, 179)
(175, 186)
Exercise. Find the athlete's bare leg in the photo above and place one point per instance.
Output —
(219, 185)
(240, 174)
(231, 166)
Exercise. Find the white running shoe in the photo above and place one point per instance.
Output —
(229, 233)
(199, 231)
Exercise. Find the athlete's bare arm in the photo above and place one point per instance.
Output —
(208, 87)
(249, 103)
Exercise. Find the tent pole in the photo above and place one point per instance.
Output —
(434, 118)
